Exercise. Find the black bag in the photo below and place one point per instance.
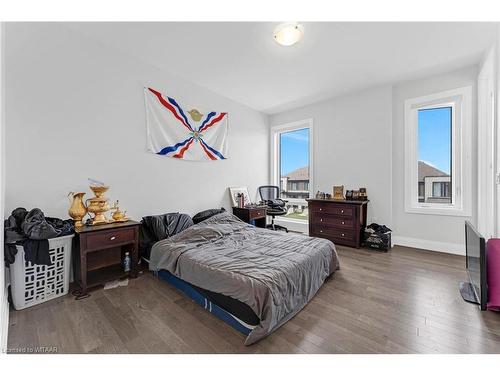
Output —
(378, 241)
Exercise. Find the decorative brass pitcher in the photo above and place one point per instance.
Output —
(77, 210)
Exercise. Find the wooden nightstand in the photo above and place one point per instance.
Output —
(252, 215)
(100, 250)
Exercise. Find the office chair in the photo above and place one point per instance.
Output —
(275, 205)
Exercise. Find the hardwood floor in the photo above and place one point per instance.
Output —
(404, 301)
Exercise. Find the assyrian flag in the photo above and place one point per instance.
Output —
(184, 133)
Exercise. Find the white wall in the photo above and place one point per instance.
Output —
(497, 129)
(486, 154)
(76, 110)
(4, 305)
(352, 145)
(444, 233)
(359, 141)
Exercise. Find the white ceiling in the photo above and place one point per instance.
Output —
(242, 61)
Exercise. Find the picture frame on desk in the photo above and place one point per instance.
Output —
(235, 190)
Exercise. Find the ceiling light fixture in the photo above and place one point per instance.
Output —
(287, 34)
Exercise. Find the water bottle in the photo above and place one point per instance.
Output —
(126, 262)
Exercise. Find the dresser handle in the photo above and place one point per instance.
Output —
(341, 211)
(112, 238)
(321, 209)
(258, 213)
(320, 219)
(342, 234)
(320, 231)
(343, 222)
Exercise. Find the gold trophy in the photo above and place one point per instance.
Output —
(98, 205)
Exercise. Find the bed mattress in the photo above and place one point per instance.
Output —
(274, 273)
(236, 308)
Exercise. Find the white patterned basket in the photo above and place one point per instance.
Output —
(33, 284)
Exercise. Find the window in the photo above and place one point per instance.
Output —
(421, 191)
(291, 146)
(437, 153)
(441, 190)
(435, 127)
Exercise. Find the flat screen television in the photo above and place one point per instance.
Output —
(476, 289)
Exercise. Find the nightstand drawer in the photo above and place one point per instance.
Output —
(109, 238)
(257, 213)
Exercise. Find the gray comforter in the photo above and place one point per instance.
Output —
(275, 273)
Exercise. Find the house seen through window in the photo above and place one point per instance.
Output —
(294, 171)
(434, 155)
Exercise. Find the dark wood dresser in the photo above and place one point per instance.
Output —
(340, 221)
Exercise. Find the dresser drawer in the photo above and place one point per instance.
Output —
(109, 238)
(335, 234)
(333, 221)
(334, 209)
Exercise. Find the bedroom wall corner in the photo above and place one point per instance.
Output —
(352, 145)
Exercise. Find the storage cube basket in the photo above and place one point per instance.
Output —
(32, 284)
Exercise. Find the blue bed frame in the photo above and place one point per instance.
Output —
(204, 302)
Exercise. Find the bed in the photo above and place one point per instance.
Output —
(254, 279)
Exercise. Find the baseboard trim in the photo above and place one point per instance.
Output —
(442, 247)
(4, 321)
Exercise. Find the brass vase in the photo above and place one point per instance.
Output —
(77, 209)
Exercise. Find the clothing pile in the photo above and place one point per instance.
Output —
(31, 230)
(377, 228)
(378, 237)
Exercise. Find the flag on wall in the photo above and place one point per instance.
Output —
(184, 133)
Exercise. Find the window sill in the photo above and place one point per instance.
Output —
(295, 225)
(427, 210)
(298, 221)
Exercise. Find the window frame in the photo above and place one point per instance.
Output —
(275, 132)
(460, 100)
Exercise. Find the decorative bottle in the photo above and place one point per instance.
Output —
(126, 262)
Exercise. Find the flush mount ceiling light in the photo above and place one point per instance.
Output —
(287, 34)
